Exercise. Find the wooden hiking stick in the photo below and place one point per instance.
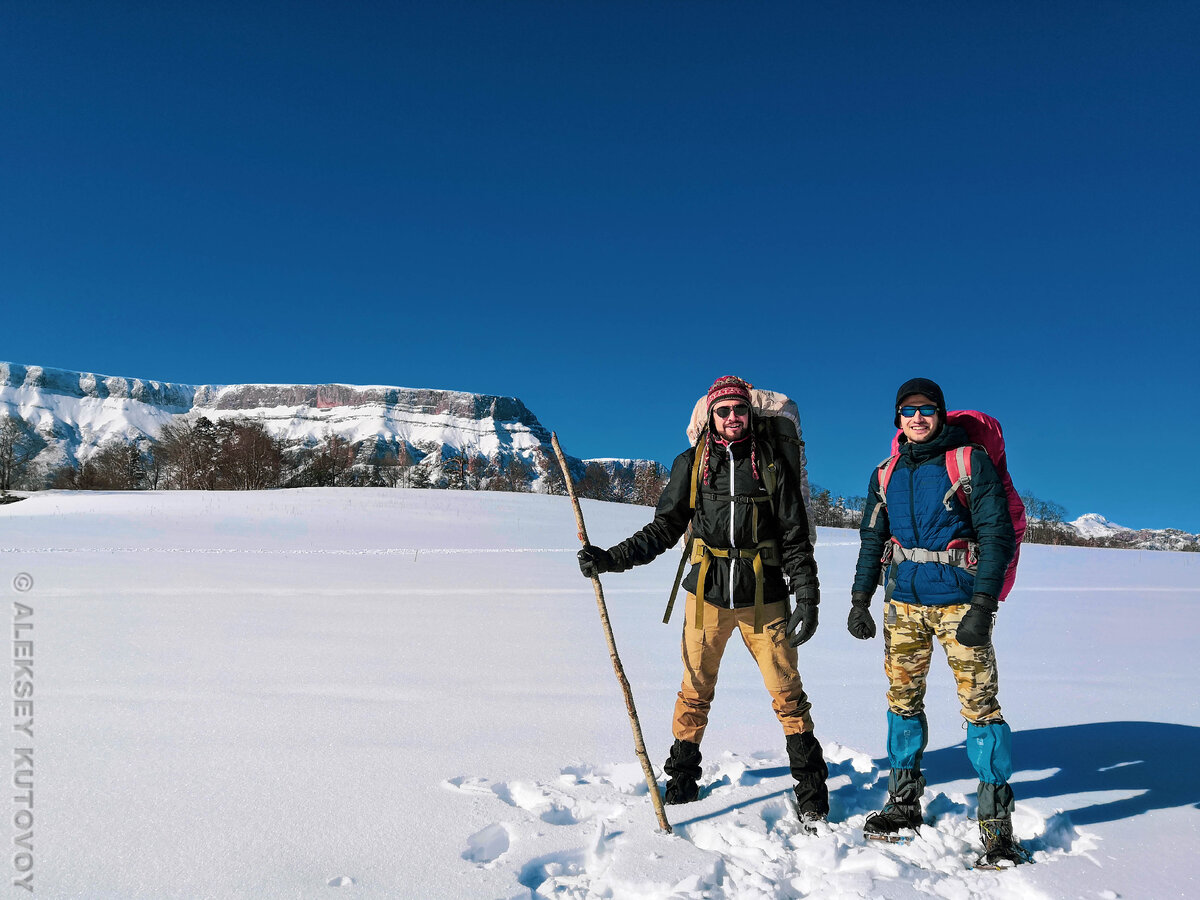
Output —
(638, 744)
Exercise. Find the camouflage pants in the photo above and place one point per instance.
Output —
(702, 651)
(908, 633)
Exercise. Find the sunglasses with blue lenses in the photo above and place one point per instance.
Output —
(926, 410)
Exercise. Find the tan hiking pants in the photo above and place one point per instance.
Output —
(702, 652)
(908, 633)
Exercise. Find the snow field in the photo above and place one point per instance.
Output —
(394, 693)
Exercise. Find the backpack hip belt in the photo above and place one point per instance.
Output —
(765, 553)
(959, 553)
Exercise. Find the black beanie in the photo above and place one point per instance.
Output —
(920, 386)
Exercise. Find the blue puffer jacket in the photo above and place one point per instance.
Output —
(916, 516)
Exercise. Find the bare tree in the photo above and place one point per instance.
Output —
(187, 454)
(107, 469)
(116, 466)
(855, 506)
(552, 476)
(249, 458)
(71, 478)
(595, 483)
(648, 485)
(385, 472)
(514, 476)
(1045, 522)
(18, 447)
(623, 488)
(332, 465)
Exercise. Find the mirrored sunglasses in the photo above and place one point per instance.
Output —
(927, 410)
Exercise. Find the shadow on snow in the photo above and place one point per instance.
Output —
(1155, 759)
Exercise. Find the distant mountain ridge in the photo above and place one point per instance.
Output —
(76, 413)
(1098, 531)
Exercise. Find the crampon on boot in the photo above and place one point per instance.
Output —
(896, 822)
(901, 814)
(1000, 848)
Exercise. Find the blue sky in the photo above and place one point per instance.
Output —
(600, 207)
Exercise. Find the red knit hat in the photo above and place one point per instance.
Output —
(729, 387)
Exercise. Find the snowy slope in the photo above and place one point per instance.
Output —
(1094, 525)
(401, 693)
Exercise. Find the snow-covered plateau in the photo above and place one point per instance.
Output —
(401, 693)
(72, 415)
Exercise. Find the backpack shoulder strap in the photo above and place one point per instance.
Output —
(697, 461)
(958, 467)
(885, 470)
(770, 467)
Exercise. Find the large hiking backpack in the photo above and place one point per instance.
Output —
(776, 424)
(983, 432)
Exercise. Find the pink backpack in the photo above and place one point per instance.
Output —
(984, 431)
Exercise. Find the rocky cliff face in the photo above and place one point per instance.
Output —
(74, 414)
(84, 385)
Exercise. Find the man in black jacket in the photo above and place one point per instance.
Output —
(743, 541)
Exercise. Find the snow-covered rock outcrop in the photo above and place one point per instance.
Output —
(76, 413)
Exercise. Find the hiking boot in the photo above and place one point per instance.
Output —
(893, 818)
(683, 770)
(681, 789)
(1000, 848)
(903, 807)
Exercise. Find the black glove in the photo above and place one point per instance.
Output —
(860, 622)
(594, 561)
(975, 629)
(803, 623)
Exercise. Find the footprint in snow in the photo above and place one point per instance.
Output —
(551, 806)
(486, 846)
(469, 784)
(742, 836)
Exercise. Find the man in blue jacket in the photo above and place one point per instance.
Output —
(914, 533)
